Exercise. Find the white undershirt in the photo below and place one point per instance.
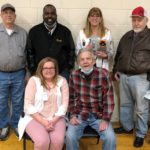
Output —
(9, 31)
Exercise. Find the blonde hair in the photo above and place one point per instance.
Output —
(40, 68)
(87, 29)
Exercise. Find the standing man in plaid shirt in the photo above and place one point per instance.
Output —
(91, 103)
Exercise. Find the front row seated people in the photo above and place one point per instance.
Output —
(91, 102)
(45, 104)
(46, 101)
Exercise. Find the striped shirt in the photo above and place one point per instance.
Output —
(91, 94)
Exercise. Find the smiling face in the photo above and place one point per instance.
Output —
(139, 23)
(86, 60)
(8, 16)
(95, 16)
(48, 70)
(49, 14)
(94, 20)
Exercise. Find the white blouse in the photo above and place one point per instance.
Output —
(83, 41)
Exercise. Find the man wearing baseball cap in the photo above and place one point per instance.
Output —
(12, 70)
(131, 67)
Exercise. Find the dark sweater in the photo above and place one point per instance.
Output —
(59, 46)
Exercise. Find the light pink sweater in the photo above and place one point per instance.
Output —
(49, 97)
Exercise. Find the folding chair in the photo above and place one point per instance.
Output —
(25, 137)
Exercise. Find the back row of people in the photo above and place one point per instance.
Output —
(46, 95)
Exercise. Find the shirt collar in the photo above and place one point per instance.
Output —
(91, 75)
(3, 29)
(140, 34)
(52, 30)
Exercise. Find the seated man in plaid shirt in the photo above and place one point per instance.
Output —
(91, 102)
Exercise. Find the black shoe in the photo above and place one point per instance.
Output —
(121, 130)
(4, 133)
(138, 142)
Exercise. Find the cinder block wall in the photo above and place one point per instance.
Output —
(73, 13)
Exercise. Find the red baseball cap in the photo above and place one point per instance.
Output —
(139, 12)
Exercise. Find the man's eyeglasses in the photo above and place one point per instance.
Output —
(46, 69)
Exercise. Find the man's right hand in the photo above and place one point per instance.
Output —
(74, 121)
(117, 76)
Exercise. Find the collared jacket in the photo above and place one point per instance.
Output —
(59, 46)
(133, 54)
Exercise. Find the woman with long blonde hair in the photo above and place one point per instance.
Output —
(96, 37)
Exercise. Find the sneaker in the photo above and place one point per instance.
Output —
(4, 133)
(121, 130)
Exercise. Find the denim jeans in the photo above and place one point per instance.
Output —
(132, 91)
(11, 88)
(75, 132)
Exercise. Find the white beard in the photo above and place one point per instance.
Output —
(137, 30)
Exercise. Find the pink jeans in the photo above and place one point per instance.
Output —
(44, 140)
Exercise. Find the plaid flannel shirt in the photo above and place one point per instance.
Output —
(91, 94)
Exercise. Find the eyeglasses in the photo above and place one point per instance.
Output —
(46, 69)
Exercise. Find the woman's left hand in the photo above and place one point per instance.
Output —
(50, 127)
(54, 121)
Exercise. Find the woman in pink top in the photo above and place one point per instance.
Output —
(45, 105)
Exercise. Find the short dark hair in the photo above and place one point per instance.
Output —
(49, 5)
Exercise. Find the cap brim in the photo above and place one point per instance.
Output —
(8, 8)
(136, 16)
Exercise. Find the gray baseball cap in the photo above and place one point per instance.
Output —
(7, 6)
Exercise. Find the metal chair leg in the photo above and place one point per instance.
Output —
(24, 143)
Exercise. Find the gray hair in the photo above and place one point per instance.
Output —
(85, 50)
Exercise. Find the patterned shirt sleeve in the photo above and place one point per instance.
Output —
(72, 97)
(107, 96)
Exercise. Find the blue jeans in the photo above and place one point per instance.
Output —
(75, 132)
(11, 88)
(132, 91)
